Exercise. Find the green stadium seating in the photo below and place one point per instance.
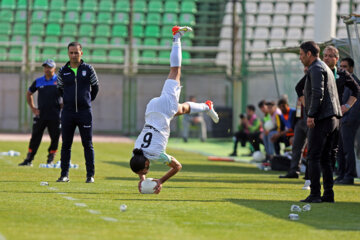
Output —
(170, 19)
(186, 58)
(90, 5)
(187, 19)
(21, 4)
(19, 29)
(104, 17)
(40, 4)
(53, 29)
(122, 6)
(66, 40)
(63, 55)
(138, 31)
(152, 31)
(69, 30)
(71, 17)
(49, 53)
(8, 4)
(106, 6)
(55, 17)
(186, 42)
(4, 38)
(148, 57)
(166, 31)
(38, 16)
(86, 30)
(3, 53)
(73, 5)
(137, 41)
(164, 57)
(140, 6)
(99, 56)
(102, 30)
(37, 29)
(155, 6)
(188, 7)
(57, 5)
(18, 39)
(35, 54)
(15, 54)
(171, 7)
(5, 28)
(51, 39)
(120, 31)
(121, 18)
(101, 40)
(139, 18)
(20, 16)
(151, 42)
(116, 56)
(117, 41)
(153, 18)
(166, 42)
(85, 40)
(35, 39)
(88, 17)
(6, 16)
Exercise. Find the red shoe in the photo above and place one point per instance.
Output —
(211, 112)
(181, 30)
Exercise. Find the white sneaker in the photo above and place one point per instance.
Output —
(181, 30)
(211, 112)
(306, 185)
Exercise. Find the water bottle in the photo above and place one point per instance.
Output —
(42, 165)
(306, 207)
(10, 153)
(44, 184)
(294, 216)
(295, 208)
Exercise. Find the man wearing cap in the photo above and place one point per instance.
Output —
(47, 114)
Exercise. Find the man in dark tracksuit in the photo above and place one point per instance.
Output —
(79, 85)
(46, 115)
(323, 109)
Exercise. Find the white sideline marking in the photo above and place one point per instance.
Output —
(109, 219)
(70, 198)
(2, 237)
(61, 193)
(93, 211)
(53, 188)
(81, 204)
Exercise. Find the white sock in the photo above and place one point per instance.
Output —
(198, 107)
(176, 55)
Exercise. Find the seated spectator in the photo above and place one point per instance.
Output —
(248, 130)
(195, 119)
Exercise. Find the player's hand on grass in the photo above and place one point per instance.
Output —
(139, 185)
(158, 186)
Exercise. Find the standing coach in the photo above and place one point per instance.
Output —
(78, 85)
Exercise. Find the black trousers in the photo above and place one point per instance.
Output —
(300, 133)
(38, 129)
(242, 137)
(69, 121)
(320, 141)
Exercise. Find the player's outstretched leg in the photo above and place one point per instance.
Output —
(192, 107)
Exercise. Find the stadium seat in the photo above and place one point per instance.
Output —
(121, 18)
(166, 31)
(18, 39)
(187, 19)
(171, 7)
(57, 5)
(8, 4)
(155, 6)
(88, 17)
(117, 41)
(186, 58)
(263, 20)
(99, 56)
(151, 42)
(166, 42)
(90, 5)
(106, 6)
(53, 29)
(164, 57)
(298, 8)
(20, 16)
(120, 31)
(140, 6)
(139, 18)
(104, 17)
(294, 34)
(21, 5)
(63, 55)
(122, 6)
(35, 39)
(296, 21)
(37, 29)
(3, 53)
(66, 40)
(186, 42)
(138, 31)
(5, 28)
(152, 31)
(265, 8)
(102, 30)
(71, 17)
(19, 29)
(251, 7)
(55, 17)
(280, 21)
(39, 17)
(148, 57)
(6, 16)
(86, 30)
(153, 18)
(278, 33)
(309, 34)
(51, 39)
(137, 41)
(49, 52)
(170, 18)
(69, 30)
(116, 56)
(40, 4)
(188, 7)
(73, 5)
(282, 8)
(101, 40)
(4, 39)
(85, 40)
(15, 54)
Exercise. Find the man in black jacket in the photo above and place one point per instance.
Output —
(79, 85)
(322, 108)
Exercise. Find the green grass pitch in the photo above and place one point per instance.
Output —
(206, 200)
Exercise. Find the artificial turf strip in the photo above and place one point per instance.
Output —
(206, 200)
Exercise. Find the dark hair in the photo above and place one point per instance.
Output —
(251, 107)
(261, 103)
(270, 103)
(74, 44)
(349, 60)
(310, 46)
(137, 162)
(283, 101)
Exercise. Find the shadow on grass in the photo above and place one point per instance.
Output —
(328, 216)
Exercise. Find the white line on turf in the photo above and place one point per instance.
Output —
(61, 193)
(70, 198)
(93, 211)
(53, 188)
(81, 204)
(109, 219)
(2, 237)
